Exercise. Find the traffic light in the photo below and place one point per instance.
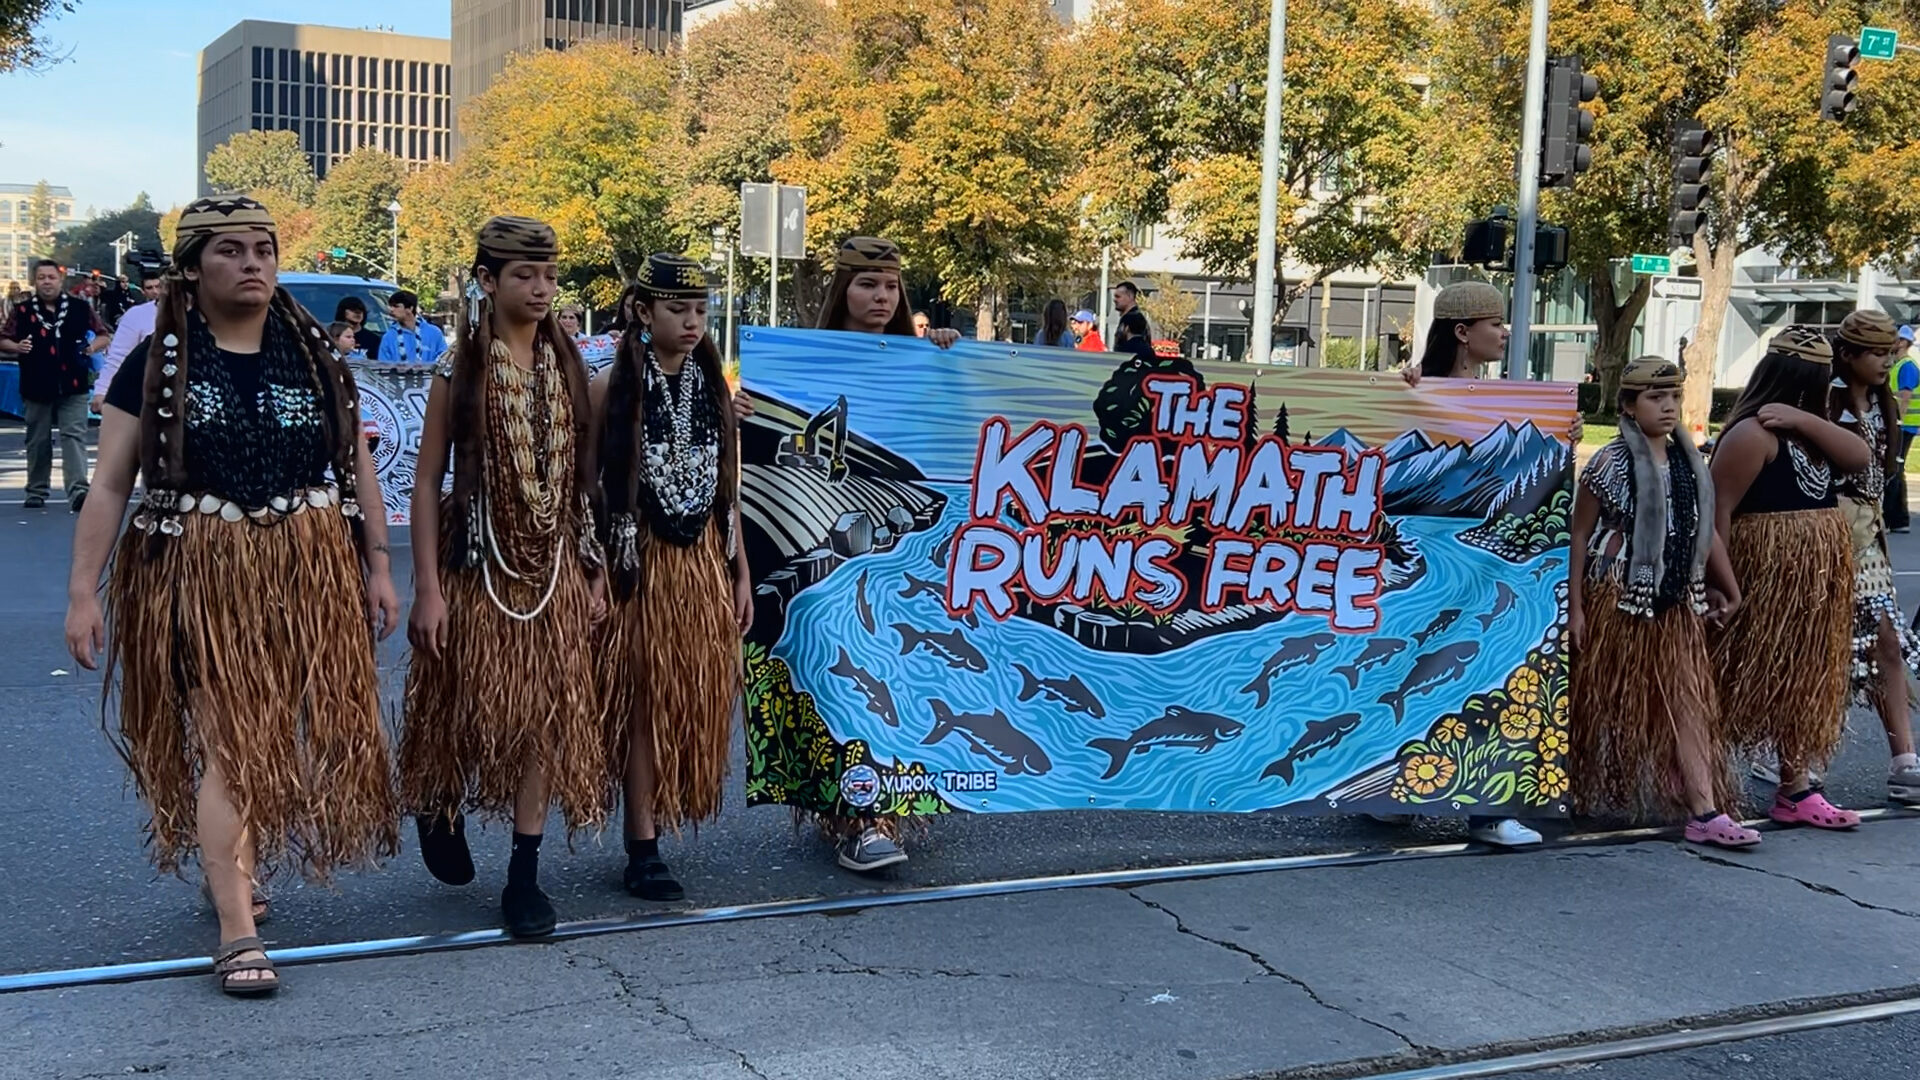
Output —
(1564, 153)
(1691, 146)
(1836, 88)
(1549, 248)
(1487, 240)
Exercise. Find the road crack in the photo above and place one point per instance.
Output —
(1816, 886)
(1180, 925)
(630, 994)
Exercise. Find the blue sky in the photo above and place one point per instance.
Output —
(144, 58)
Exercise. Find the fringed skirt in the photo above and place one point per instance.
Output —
(1643, 695)
(1874, 601)
(246, 647)
(507, 695)
(1781, 664)
(671, 655)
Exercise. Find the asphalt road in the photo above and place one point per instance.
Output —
(1877, 1051)
(81, 891)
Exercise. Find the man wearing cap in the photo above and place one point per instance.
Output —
(1086, 331)
(1905, 381)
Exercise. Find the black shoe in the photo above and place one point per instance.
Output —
(35, 502)
(650, 879)
(79, 500)
(444, 848)
(526, 912)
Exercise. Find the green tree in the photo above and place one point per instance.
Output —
(1172, 95)
(21, 46)
(89, 245)
(941, 126)
(265, 164)
(40, 220)
(350, 211)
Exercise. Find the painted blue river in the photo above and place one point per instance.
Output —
(1206, 676)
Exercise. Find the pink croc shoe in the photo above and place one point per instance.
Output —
(1721, 832)
(1812, 809)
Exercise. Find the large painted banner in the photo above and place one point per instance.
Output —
(998, 578)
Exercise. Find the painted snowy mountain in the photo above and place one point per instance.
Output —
(1345, 440)
(1457, 480)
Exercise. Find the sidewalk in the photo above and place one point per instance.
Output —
(1228, 977)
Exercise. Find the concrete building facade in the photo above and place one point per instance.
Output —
(16, 235)
(338, 89)
(486, 33)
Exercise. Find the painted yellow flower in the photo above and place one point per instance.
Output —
(1552, 781)
(1553, 743)
(1523, 686)
(1519, 722)
(1398, 793)
(1427, 773)
(1452, 729)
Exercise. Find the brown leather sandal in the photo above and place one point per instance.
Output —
(226, 964)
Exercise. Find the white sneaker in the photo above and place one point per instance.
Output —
(1504, 833)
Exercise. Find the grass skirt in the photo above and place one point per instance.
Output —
(672, 653)
(506, 693)
(1874, 601)
(1781, 665)
(248, 646)
(1634, 687)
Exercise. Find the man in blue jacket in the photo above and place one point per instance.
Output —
(408, 340)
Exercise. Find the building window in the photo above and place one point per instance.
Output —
(6, 213)
(257, 62)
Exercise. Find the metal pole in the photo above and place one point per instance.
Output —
(1866, 288)
(1206, 325)
(1366, 310)
(729, 342)
(1528, 212)
(394, 266)
(773, 261)
(1263, 274)
(1106, 295)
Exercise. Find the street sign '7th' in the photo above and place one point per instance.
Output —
(1878, 44)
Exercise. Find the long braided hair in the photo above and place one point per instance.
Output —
(472, 352)
(621, 435)
(1840, 400)
(289, 326)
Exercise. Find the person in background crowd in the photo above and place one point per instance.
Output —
(921, 323)
(669, 668)
(1126, 305)
(1648, 573)
(410, 340)
(1905, 383)
(242, 590)
(48, 336)
(344, 341)
(1885, 653)
(502, 715)
(625, 316)
(1054, 331)
(1781, 664)
(570, 322)
(353, 310)
(1086, 330)
(137, 323)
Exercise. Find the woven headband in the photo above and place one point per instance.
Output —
(1652, 373)
(867, 253)
(204, 218)
(518, 239)
(1804, 342)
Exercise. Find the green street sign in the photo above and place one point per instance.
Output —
(1652, 264)
(1878, 44)
(338, 253)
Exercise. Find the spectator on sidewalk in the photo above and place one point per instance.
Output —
(1905, 382)
(1086, 328)
(410, 340)
(570, 322)
(1126, 305)
(1055, 333)
(48, 335)
(921, 324)
(344, 341)
(354, 310)
(134, 325)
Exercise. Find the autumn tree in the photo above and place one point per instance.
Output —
(1171, 109)
(439, 218)
(583, 139)
(21, 46)
(939, 123)
(268, 165)
(89, 245)
(350, 211)
(40, 220)
(1169, 308)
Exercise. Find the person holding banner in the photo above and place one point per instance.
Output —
(501, 711)
(1645, 719)
(670, 662)
(1886, 654)
(1781, 663)
(240, 597)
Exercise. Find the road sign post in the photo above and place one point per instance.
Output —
(1877, 43)
(1661, 265)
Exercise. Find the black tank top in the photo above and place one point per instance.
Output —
(1798, 478)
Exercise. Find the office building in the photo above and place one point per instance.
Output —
(16, 237)
(487, 32)
(338, 89)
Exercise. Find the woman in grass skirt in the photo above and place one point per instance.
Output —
(1646, 733)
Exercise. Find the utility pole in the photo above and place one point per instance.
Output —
(1263, 274)
(1106, 295)
(1533, 112)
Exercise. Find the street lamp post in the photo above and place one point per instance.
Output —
(393, 208)
(1263, 273)
(1533, 106)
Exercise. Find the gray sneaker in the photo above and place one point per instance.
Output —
(1903, 785)
(871, 850)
